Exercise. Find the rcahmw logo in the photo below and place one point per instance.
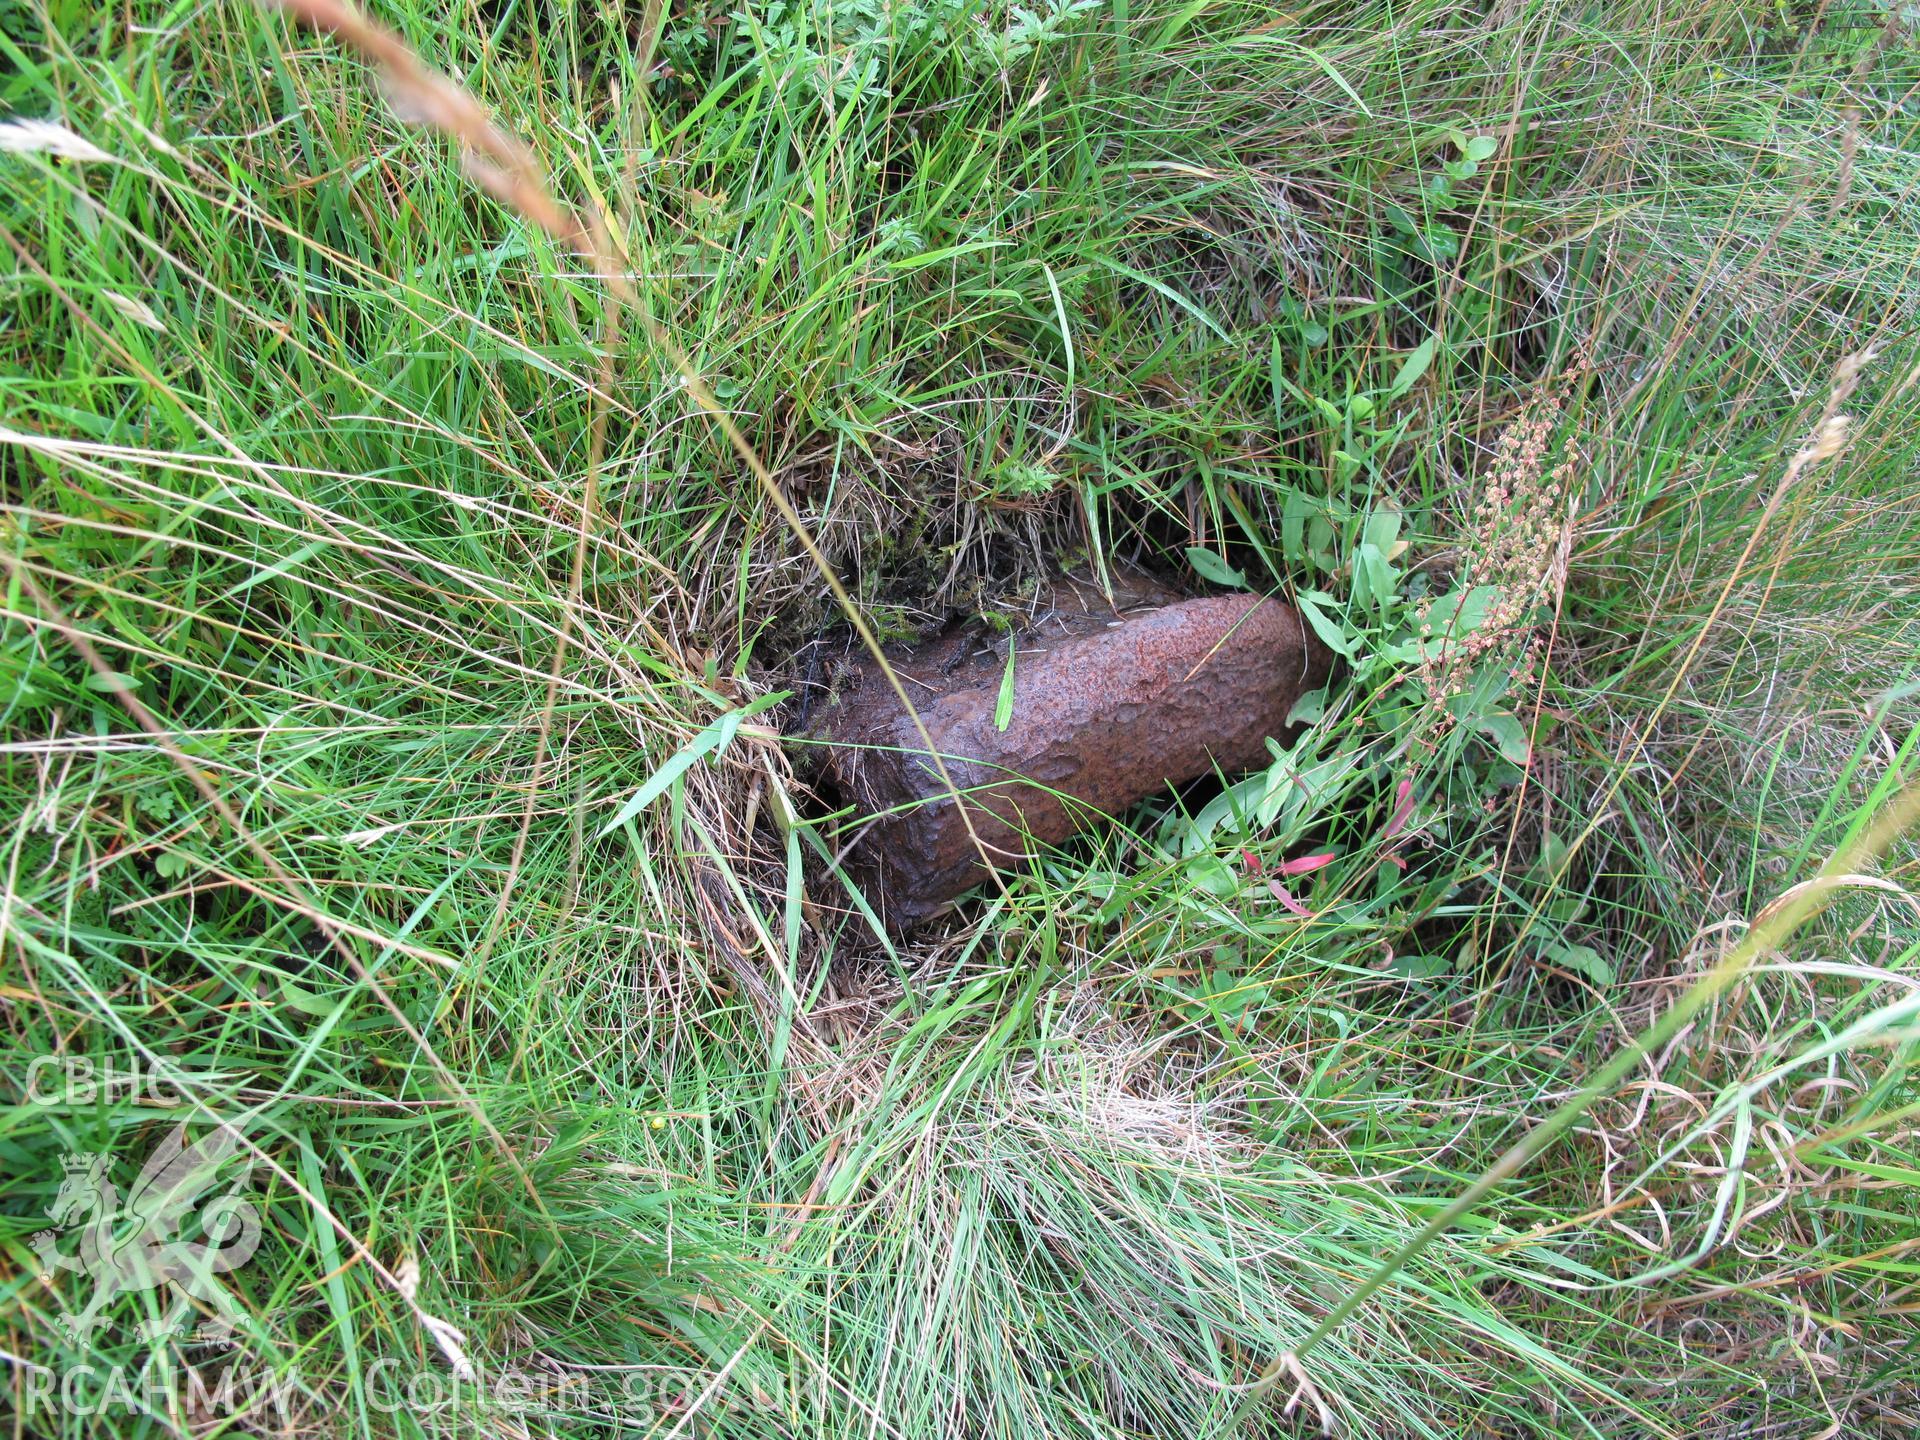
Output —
(160, 1388)
(80, 1080)
(143, 1244)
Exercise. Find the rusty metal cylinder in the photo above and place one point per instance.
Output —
(1108, 708)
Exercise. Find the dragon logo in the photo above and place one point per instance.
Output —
(142, 1245)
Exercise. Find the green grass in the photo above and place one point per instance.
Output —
(422, 559)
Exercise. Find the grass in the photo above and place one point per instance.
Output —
(406, 534)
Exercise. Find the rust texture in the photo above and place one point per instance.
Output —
(1111, 702)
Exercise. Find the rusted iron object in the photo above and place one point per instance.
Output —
(1112, 701)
